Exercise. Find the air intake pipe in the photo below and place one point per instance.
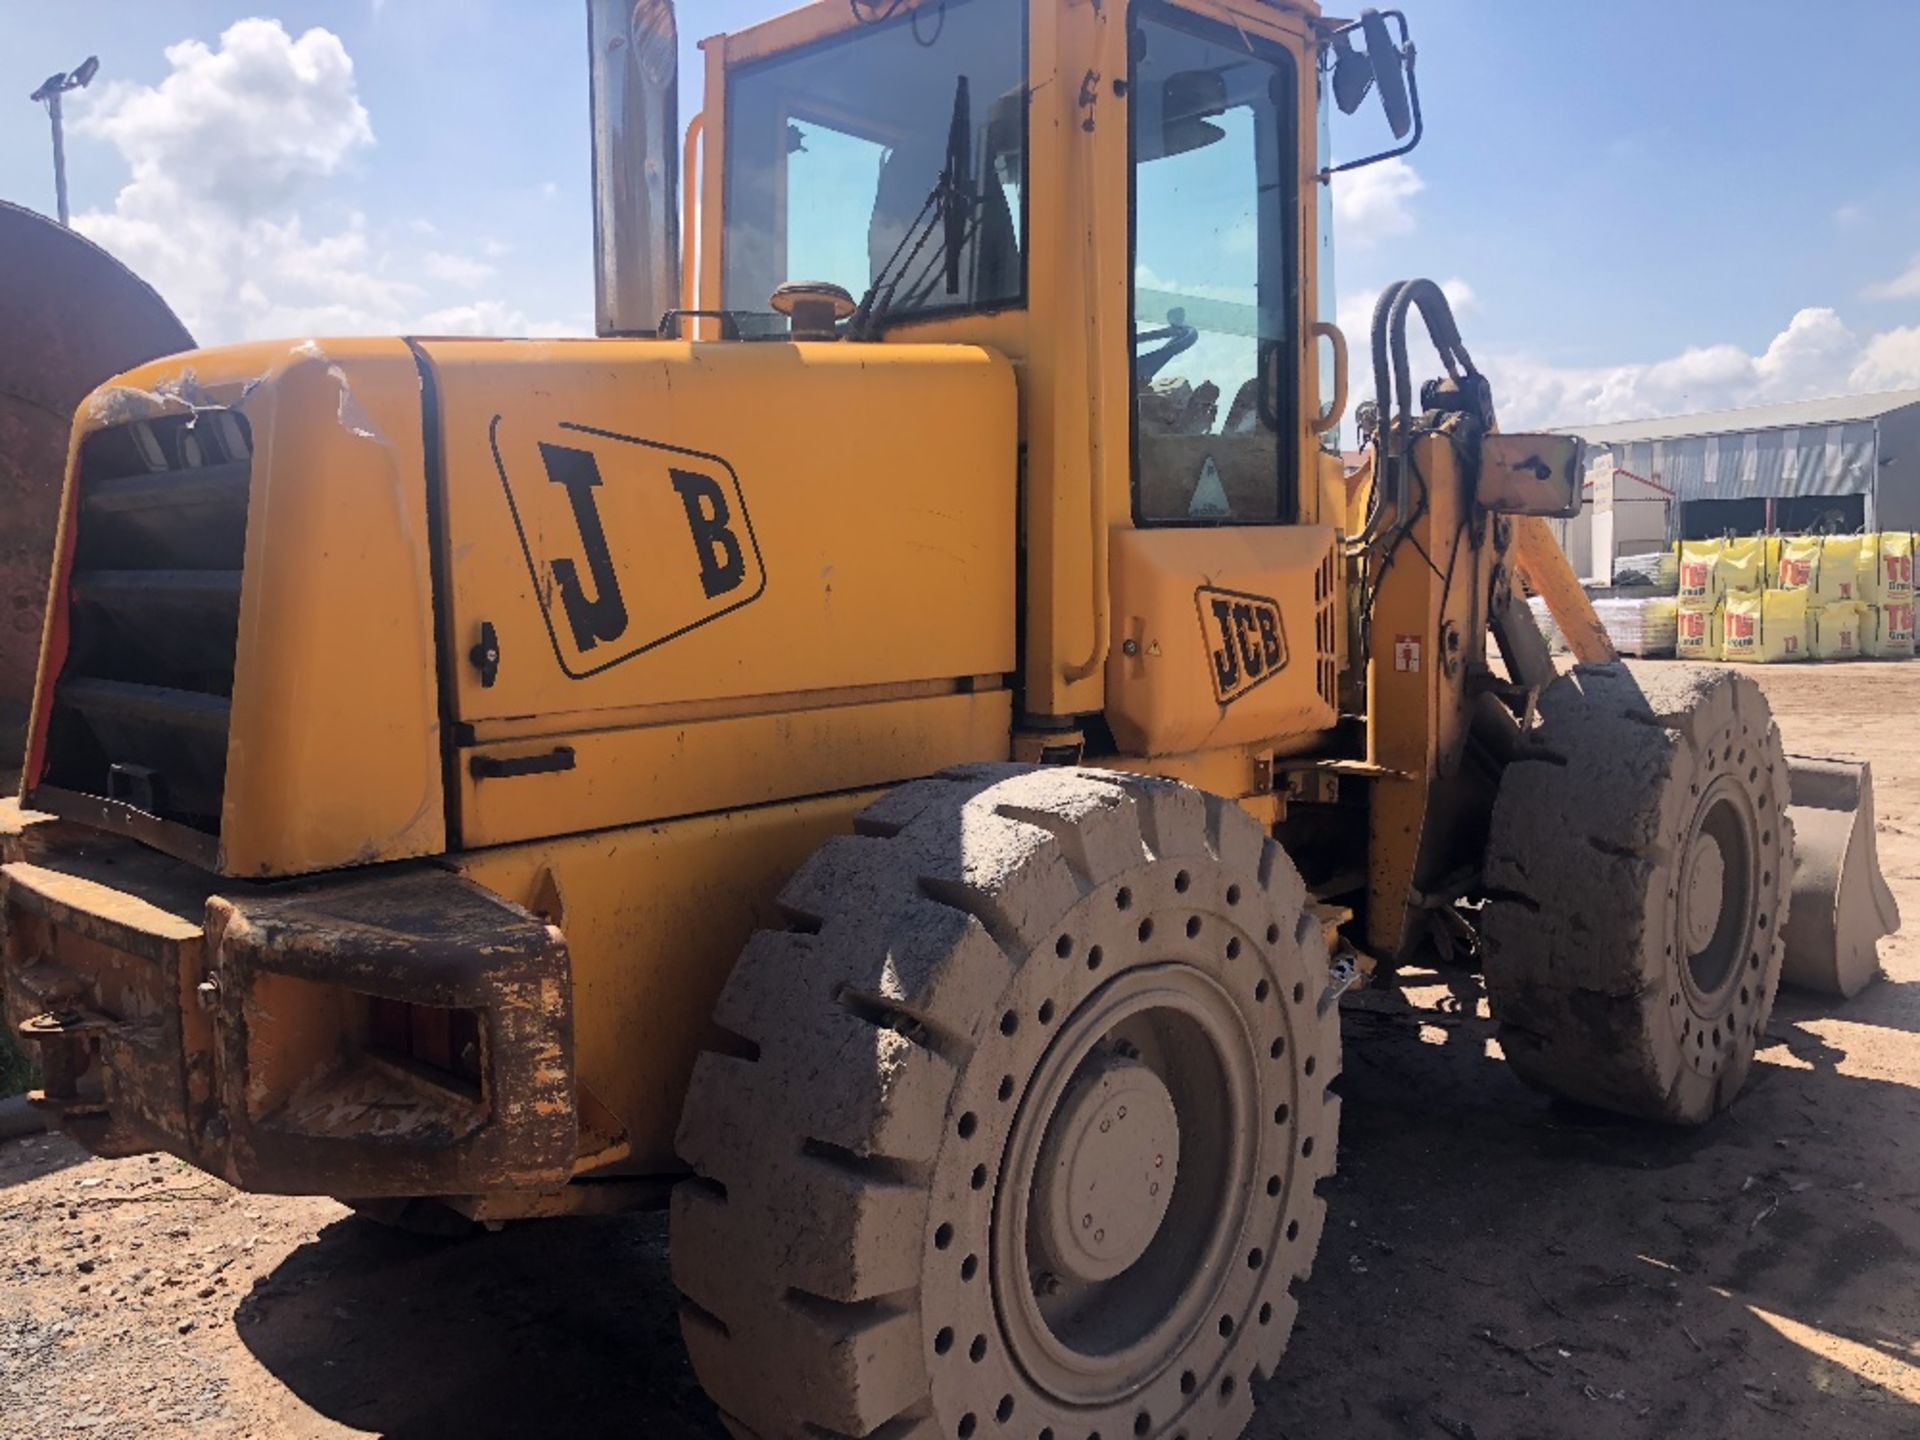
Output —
(634, 47)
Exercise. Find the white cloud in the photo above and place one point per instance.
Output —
(231, 158)
(1355, 317)
(493, 317)
(1817, 354)
(1890, 361)
(242, 127)
(1848, 216)
(1460, 295)
(1904, 286)
(1374, 203)
(461, 270)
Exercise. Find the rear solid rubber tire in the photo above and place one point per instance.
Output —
(1600, 994)
(837, 1252)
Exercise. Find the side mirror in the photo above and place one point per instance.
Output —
(1531, 475)
(1352, 74)
(1386, 66)
(1389, 71)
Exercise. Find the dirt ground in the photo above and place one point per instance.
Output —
(1496, 1267)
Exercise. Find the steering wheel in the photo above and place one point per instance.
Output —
(1176, 338)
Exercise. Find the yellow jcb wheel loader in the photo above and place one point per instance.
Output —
(895, 749)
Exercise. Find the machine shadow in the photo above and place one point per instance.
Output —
(1540, 1269)
(1887, 1004)
(28, 1157)
(1493, 1258)
(547, 1328)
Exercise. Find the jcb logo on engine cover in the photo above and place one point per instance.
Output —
(630, 542)
(1244, 640)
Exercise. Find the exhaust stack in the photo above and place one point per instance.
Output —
(634, 47)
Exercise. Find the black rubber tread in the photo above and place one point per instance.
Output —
(821, 1295)
(1581, 936)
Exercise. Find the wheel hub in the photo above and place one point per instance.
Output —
(1107, 1169)
(1717, 889)
(1099, 1276)
(1706, 890)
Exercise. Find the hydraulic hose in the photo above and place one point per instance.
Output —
(1390, 361)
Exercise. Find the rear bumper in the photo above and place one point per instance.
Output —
(393, 1032)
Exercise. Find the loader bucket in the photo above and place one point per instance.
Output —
(1841, 903)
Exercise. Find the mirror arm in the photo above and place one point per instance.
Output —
(1419, 129)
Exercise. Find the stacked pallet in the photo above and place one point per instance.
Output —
(1644, 626)
(1660, 569)
(1549, 630)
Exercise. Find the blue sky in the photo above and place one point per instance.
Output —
(1642, 206)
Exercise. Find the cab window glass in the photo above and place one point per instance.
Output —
(1213, 303)
(834, 154)
(1327, 295)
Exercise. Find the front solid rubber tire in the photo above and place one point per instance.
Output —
(843, 1252)
(1649, 795)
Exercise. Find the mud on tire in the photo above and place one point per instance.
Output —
(1639, 874)
(997, 956)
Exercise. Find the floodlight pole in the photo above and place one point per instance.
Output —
(59, 157)
(49, 93)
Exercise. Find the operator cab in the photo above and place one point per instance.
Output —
(891, 159)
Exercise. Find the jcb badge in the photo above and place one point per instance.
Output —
(1244, 640)
(630, 542)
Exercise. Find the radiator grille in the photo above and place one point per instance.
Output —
(1326, 652)
(140, 709)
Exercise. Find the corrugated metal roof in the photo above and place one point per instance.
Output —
(1831, 411)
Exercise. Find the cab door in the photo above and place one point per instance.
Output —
(1224, 604)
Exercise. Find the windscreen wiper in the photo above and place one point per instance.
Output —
(948, 210)
(957, 182)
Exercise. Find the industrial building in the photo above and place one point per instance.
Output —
(1840, 465)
